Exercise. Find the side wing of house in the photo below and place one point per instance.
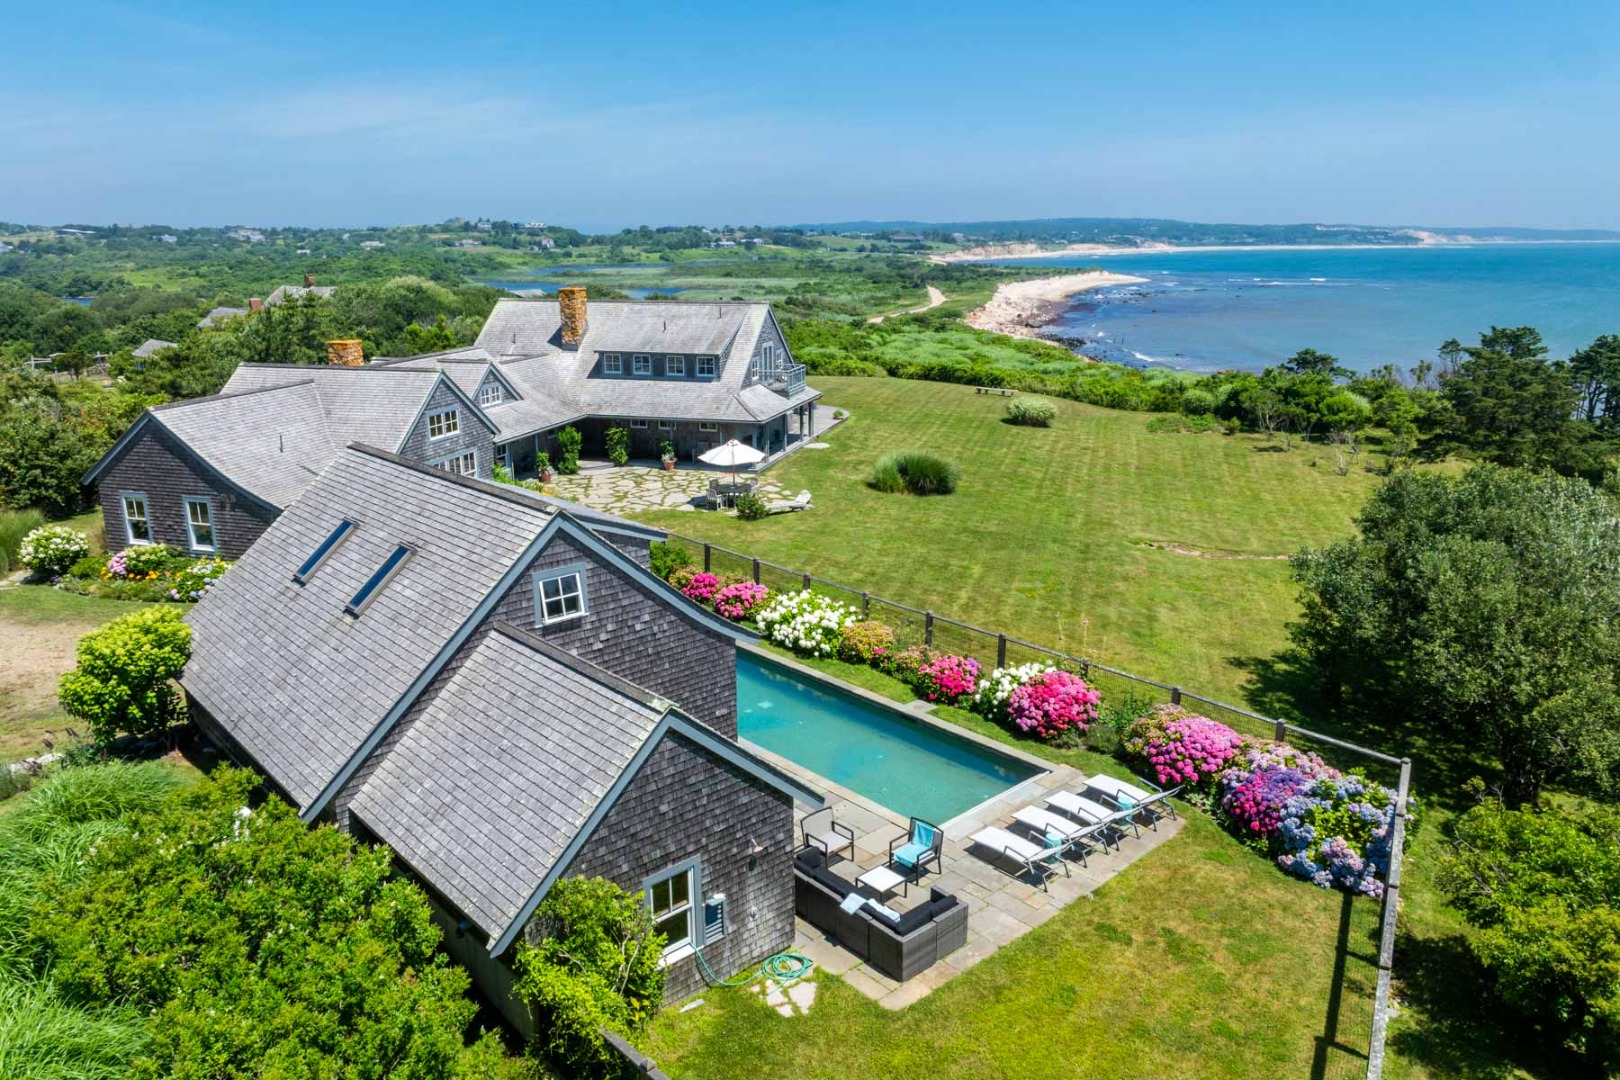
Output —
(154, 489)
(450, 434)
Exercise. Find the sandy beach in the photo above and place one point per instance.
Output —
(1020, 308)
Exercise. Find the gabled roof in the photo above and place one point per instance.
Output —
(293, 292)
(150, 346)
(219, 314)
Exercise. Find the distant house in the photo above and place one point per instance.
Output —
(219, 315)
(209, 475)
(372, 245)
(6, 248)
(150, 346)
(693, 375)
(546, 242)
(502, 693)
(294, 292)
(468, 242)
(724, 244)
(167, 238)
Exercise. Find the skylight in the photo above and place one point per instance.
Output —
(313, 563)
(376, 581)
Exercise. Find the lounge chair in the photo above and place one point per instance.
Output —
(821, 832)
(919, 847)
(1093, 812)
(1041, 859)
(1042, 822)
(1156, 803)
(788, 506)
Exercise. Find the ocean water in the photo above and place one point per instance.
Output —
(1207, 310)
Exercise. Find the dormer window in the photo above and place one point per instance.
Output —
(675, 365)
(612, 364)
(559, 595)
(490, 394)
(641, 364)
(444, 422)
(705, 367)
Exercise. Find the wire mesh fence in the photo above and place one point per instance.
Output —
(919, 626)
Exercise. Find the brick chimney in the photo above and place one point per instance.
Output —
(255, 304)
(571, 307)
(309, 281)
(345, 352)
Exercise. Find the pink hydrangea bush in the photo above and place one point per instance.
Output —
(1181, 747)
(736, 601)
(702, 587)
(946, 678)
(1052, 705)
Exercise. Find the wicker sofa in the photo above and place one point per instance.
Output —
(899, 949)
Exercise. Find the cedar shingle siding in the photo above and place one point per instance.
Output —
(686, 802)
(473, 435)
(159, 466)
(630, 633)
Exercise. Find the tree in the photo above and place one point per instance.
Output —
(41, 458)
(1596, 371)
(1486, 606)
(1543, 891)
(122, 682)
(1311, 362)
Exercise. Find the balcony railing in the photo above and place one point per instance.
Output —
(786, 380)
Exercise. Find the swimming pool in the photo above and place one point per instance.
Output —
(907, 765)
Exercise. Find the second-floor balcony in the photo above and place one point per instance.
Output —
(786, 380)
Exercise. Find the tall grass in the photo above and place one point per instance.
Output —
(917, 472)
(14, 525)
(45, 1038)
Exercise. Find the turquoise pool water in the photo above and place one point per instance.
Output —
(905, 765)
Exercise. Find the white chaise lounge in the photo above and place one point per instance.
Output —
(1041, 822)
(1155, 804)
(1039, 859)
(1094, 813)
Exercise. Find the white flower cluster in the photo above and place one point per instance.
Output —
(805, 622)
(52, 549)
(996, 689)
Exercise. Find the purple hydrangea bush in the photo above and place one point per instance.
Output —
(1181, 747)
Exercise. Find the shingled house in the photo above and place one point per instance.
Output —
(209, 475)
(502, 693)
(690, 374)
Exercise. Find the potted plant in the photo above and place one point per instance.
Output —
(542, 467)
(666, 453)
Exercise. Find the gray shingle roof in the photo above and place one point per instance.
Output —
(150, 346)
(219, 314)
(271, 442)
(299, 683)
(499, 772)
(372, 405)
(293, 292)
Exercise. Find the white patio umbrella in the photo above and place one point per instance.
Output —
(731, 454)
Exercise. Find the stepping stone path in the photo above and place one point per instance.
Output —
(793, 1000)
(635, 488)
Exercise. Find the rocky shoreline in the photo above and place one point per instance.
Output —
(1021, 308)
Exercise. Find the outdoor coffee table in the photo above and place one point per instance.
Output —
(882, 881)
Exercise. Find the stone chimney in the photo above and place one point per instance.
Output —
(571, 307)
(255, 304)
(345, 352)
(309, 281)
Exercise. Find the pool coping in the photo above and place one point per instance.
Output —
(909, 712)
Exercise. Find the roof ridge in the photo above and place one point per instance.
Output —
(584, 667)
(328, 367)
(507, 492)
(222, 396)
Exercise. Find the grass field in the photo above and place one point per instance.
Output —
(1049, 535)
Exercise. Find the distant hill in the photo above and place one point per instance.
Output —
(1136, 232)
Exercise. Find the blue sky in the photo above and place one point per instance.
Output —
(604, 115)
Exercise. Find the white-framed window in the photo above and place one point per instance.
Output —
(638, 423)
(705, 367)
(460, 464)
(675, 365)
(672, 902)
(666, 425)
(559, 595)
(612, 364)
(444, 422)
(641, 364)
(491, 393)
(767, 354)
(708, 427)
(503, 456)
(137, 524)
(753, 367)
(200, 524)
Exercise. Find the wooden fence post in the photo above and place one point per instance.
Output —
(1175, 695)
(1279, 731)
(806, 580)
(756, 571)
(866, 605)
(928, 628)
(1001, 650)
(708, 558)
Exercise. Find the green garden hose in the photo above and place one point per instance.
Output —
(784, 967)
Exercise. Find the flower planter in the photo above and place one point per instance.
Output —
(547, 476)
(669, 464)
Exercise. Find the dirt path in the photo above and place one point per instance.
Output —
(935, 298)
(34, 657)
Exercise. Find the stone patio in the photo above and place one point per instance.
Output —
(1001, 907)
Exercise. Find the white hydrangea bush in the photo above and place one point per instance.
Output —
(52, 549)
(995, 690)
(806, 622)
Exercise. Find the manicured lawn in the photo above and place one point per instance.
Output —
(1047, 538)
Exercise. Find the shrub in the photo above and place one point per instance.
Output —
(52, 549)
(542, 462)
(916, 472)
(193, 583)
(122, 680)
(682, 576)
(864, 642)
(665, 558)
(702, 587)
(737, 601)
(805, 622)
(1031, 412)
(750, 507)
(1182, 748)
(89, 567)
(946, 679)
(1052, 705)
(905, 664)
(568, 444)
(617, 441)
(14, 525)
(143, 561)
(995, 690)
